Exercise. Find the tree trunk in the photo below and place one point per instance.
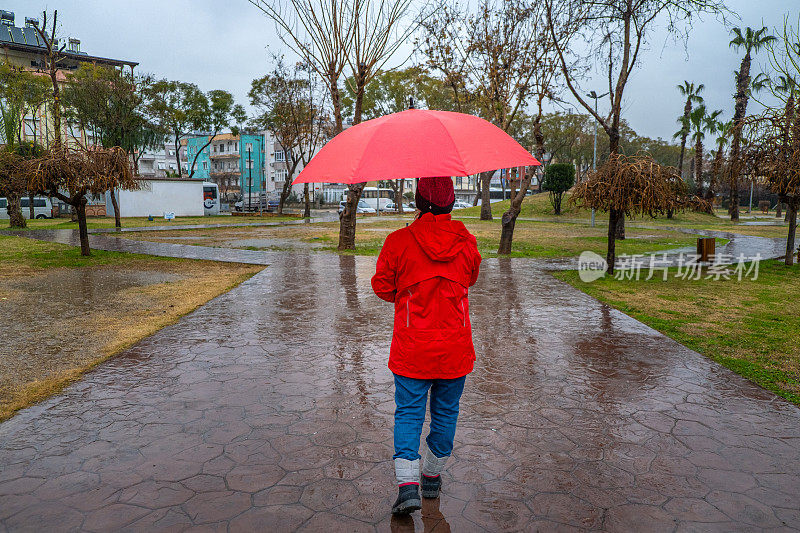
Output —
(83, 231)
(509, 219)
(115, 204)
(401, 185)
(15, 217)
(611, 254)
(178, 155)
(287, 187)
(790, 247)
(31, 207)
(698, 167)
(486, 205)
(347, 219)
(336, 101)
(687, 110)
(477, 190)
(194, 160)
(613, 146)
(742, 85)
(778, 209)
(307, 198)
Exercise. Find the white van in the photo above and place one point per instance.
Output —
(42, 207)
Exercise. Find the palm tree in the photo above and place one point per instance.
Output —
(702, 122)
(692, 95)
(723, 131)
(752, 41)
(785, 87)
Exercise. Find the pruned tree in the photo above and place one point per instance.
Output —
(72, 174)
(629, 186)
(752, 41)
(616, 32)
(13, 183)
(21, 93)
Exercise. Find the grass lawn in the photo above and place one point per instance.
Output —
(538, 206)
(748, 326)
(61, 314)
(531, 239)
(137, 222)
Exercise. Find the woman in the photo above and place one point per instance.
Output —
(426, 269)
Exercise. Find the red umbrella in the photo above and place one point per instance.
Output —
(414, 144)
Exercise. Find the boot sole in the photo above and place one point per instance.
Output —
(430, 494)
(407, 507)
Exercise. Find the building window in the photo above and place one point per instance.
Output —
(162, 166)
(172, 152)
(205, 165)
(215, 148)
(236, 147)
(282, 174)
(221, 148)
(279, 156)
(249, 147)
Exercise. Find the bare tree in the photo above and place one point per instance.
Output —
(616, 31)
(489, 59)
(283, 100)
(328, 36)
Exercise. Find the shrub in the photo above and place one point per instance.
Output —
(558, 178)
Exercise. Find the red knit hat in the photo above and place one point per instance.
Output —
(438, 191)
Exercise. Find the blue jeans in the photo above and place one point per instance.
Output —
(410, 397)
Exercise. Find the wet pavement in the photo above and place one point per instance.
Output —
(270, 408)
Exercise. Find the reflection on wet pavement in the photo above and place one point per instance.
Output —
(39, 314)
(270, 408)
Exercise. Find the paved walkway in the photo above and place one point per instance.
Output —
(270, 409)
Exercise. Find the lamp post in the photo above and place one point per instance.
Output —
(249, 181)
(593, 95)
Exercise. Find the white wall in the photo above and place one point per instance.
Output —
(184, 198)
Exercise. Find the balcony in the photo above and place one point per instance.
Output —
(225, 155)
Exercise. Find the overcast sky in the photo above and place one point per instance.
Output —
(223, 44)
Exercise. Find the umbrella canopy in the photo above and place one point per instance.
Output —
(415, 144)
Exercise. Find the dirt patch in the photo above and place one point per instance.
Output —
(57, 323)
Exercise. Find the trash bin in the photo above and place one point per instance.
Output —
(706, 248)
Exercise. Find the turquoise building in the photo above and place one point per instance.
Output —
(234, 162)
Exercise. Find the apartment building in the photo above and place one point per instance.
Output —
(21, 46)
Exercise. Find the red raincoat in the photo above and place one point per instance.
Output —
(426, 269)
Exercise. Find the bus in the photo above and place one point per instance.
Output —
(373, 195)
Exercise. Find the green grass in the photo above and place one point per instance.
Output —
(23, 253)
(139, 222)
(748, 326)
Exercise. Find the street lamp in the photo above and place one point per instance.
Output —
(593, 95)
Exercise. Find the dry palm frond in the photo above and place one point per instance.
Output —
(634, 186)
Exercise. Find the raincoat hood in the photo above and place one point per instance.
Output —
(440, 237)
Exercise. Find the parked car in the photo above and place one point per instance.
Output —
(42, 207)
(362, 207)
(391, 206)
(460, 204)
(268, 206)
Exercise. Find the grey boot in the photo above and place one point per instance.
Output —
(407, 474)
(432, 467)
